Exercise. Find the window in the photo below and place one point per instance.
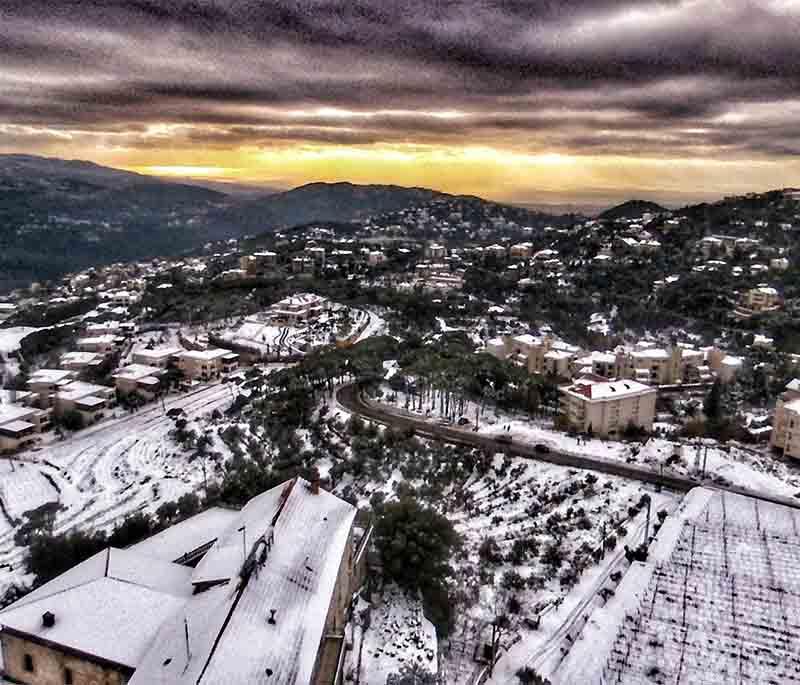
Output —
(68, 676)
(28, 663)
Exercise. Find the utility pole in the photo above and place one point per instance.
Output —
(647, 522)
(705, 458)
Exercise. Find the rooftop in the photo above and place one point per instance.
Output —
(612, 390)
(110, 606)
(136, 372)
(304, 537)
(187, 536)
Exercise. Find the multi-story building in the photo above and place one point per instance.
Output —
(102, 344)
(87, 399)
(266, 601)
(786, 422)
(608, 408)
(538, 354)
(158, 356)
(758, 300)
(258, 263)
(206, 365)
(45, 383)
(138, 379)
(78, 361)
(20, 426)
(298, 308)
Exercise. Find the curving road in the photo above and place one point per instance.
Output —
(353, 401)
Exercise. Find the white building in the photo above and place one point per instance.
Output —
(608, 408)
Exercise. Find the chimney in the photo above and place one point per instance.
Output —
(271, 619)
(314, 482)
(48, 619)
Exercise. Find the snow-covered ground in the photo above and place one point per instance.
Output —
(531, 505)
(102, 473)
(388, 637)
(10, 339)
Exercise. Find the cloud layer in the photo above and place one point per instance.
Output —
(708, 79)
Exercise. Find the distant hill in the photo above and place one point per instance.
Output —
(632, 209)
(58, 216)
(337, 202)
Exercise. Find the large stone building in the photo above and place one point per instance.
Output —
(266, 602)
(607, 408)
(786, 423)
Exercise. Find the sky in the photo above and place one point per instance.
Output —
(586, 101)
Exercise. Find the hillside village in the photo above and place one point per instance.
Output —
(223, 447)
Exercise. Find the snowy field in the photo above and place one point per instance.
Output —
(259, 331)
(389, 636)
(102, 473)
(547, 523)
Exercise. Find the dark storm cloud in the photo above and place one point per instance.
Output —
(545, 69)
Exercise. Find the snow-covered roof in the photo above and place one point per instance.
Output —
(158, 353)
(204, 355)
(653, 353)
(137, 372)
(611, 390)
(50, 376)
(78, 390)
(109, 607)
(526, 339)
(187, 536)
(84, 358)
(14, 412)
(230, 637)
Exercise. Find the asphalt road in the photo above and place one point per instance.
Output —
(350, 398)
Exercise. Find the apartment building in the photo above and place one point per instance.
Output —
(102, 344)
(138, 379)
(663, 365)
(44, 383)
(259, 596)
(786, 422)
(90, 401)
(607, 408)
(258, 263)
(758, 300)
(206, 365)
(20, 426)
(158, 356)
(78, 361)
